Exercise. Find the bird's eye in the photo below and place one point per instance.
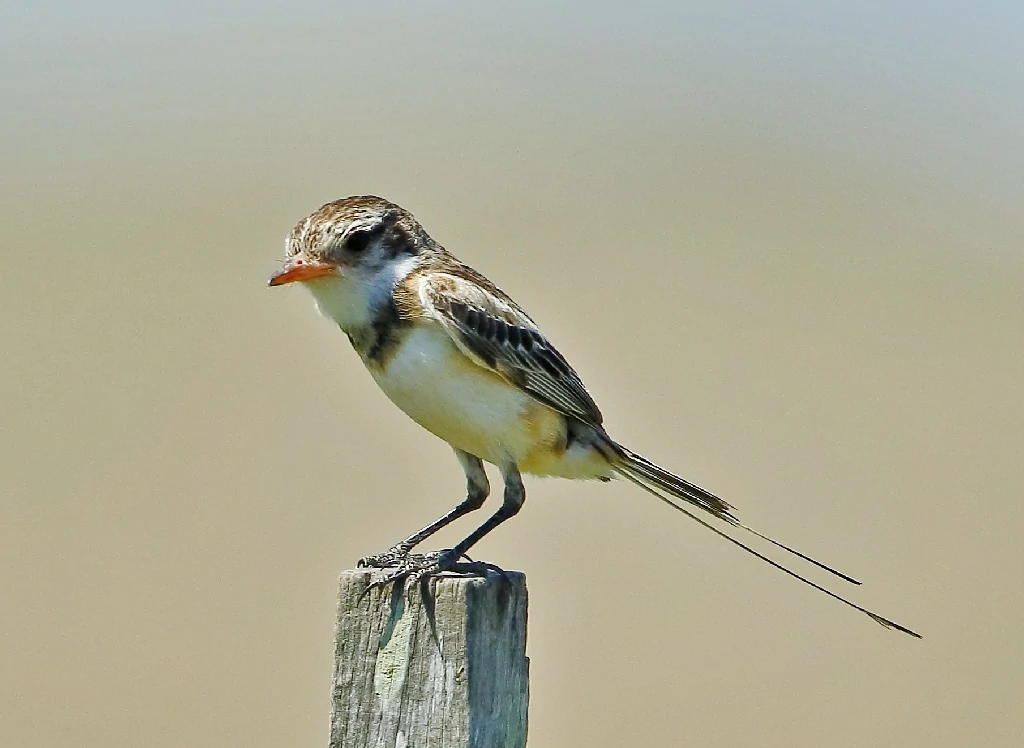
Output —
(358, 241)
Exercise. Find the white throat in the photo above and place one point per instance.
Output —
(352, 301)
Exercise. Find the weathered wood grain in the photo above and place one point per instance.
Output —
(443, 670)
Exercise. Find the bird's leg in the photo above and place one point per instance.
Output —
(416, 567)
(515, 495)
(477, 488)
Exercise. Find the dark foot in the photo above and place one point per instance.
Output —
(418, 566)
(396, 555)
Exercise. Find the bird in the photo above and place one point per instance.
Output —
(465, 362)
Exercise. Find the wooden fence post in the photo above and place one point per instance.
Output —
(442, 669)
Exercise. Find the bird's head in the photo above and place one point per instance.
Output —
(349, 238)
(350, 252)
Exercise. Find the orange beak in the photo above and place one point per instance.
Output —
(300, 269)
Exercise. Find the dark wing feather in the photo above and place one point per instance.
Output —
(501, 337)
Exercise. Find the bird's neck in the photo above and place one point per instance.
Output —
(363, 308)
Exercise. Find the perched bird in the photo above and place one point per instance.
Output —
(464, 361)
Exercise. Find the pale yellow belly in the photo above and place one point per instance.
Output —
(474, 409)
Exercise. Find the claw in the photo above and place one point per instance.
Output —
(418, 567)
(396, 555)
(413, 567)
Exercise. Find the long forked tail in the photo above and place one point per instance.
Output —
(659, 482)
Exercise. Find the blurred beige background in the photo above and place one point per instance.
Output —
(783, 249)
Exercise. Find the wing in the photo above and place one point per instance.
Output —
(488, 327)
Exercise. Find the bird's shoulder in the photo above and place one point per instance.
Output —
(445, 288)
